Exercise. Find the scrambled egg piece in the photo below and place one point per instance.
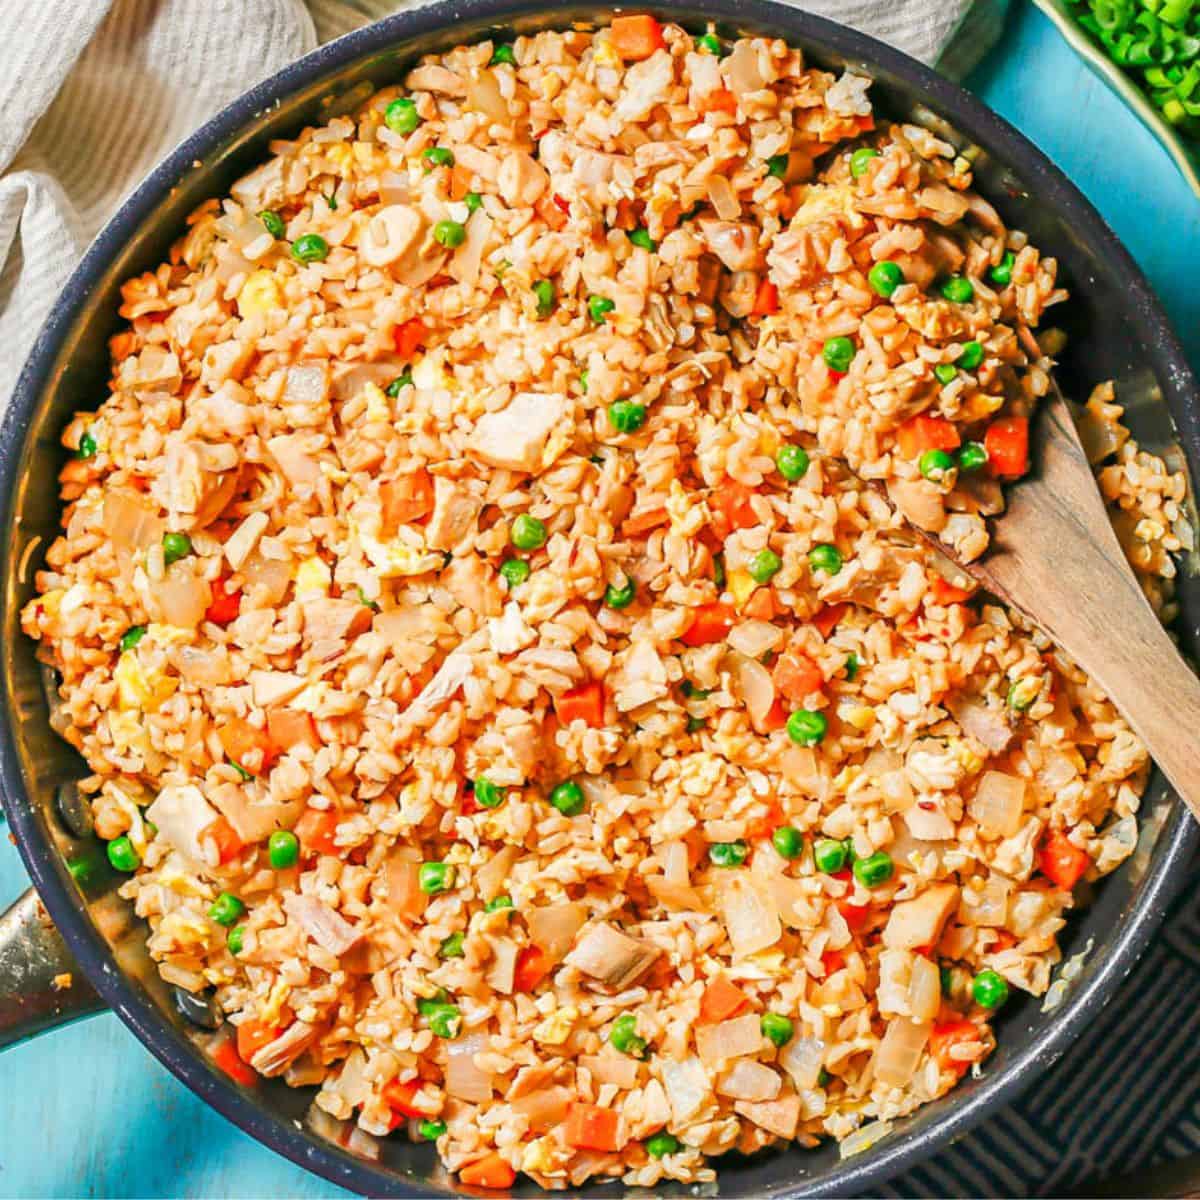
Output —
(540, 1155)
(556, 1028)
(378, 409)
(168, 635)
(260, 294)
(125, 729)
(823, 201)
(740, 585)
(139, 689)
(278, 994)
(605, 55)
(313, 575)
(861, 716)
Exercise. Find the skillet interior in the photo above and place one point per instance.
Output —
(1117, 331)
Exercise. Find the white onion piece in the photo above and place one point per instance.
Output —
(755, 686)
(751, 923)
(182, 598)
(608, 1067)
(464, 263)
(749, 1080)
(402, 873)
(734, 1038)
(393, 188)
(755, 638)
(267, 579)
(492, 877)
(742, 69)
(723, 198)
(674, 858)
(554, 926)
(182, 814)
(483, 95)
(987, 725)
(801, 768)
(997, 804)
(864, 1138)
(130, 525)
(924, 990)
(687, 1087)
(546, 1107)
(900, 1050)
(1056, 771)
(502, 969)
(465, 1080)
(204, 667)
(988, 908)
(674, 895)
(928, 825)
(802, 1059)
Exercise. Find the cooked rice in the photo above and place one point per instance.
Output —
(359, 530)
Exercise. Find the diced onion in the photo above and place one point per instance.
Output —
(483, 95)
(734, 1038)
(554, 926)
(182, 597)
(900, 1050)
(617, 1069)
(864, 1138)
(751, 923)
(674, 895)
(790, 899)
(674, 858)
(924, 990)
(742, 69)
(800, 767)
(687, 1087)
(267, 579)
(393, 188)
(802, 1059)
(464, 264)
(465, 1080)
(997, 804)
(403, 887)
(492, 877)
(749, 1080)
(130, 525)
(723, 198)
(755, 686)
(987, 725)
(547, 1107)
(755, 638)
(988, 908)
(1056, 771)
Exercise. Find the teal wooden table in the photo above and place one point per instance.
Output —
(87, 1112)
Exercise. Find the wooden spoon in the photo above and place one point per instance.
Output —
(1055, 558)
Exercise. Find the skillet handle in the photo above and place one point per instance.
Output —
(40, 984)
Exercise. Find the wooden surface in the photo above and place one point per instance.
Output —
(87, 1112)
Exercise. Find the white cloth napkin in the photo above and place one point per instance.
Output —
(94, 92)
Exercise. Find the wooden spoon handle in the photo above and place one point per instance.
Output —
(1056, 559)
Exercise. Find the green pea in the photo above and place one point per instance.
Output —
(487, 794)
(273, 223)
(122, 855)
(310, 248)
(709, 43)
(236, 939)
(283, 849)
(934, 464)
(945, 373)
(131, 637)
(527, 533)
(958, 289)
(777, 166)
(514, 572)
(503, 53)
(719, 570)
(498, 904)
(1001, 274)
(788, 841)
(807, 728)
(599, 307)
(568, 798)
(401, 115)
(87, 446)
(623, 1036)
(661, 1144)
(972, 456)
(825, 557)
(85, 869)
(434, 877)
(824, 1079)
(430, 1131)
(851, 666)
(546, 295)
(450, 234)
(428, 1005)
(776, 1028)
(792, 462)
(473, 201)
(1022, 693)
(830, 855)
(226, 909)
(860, 160)
(445, 1020)
(626, 416)
(875, 869)
(764, 565)
(452, 946)
(885, 277)
(727, 854)
(989, 989)
(620, 597)
(437, 156)
(971, 356)
(583, 380)
(642, 239)
(694, 724)
(175, 546)
(838, 353)
(393, 389)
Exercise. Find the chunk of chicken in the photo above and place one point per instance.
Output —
(455, 511)
(612, 957)
(275, 1057)
(518, 436)
(920, 921)
(329, 624)
(735, 243)
(522, 179)
(328, 929)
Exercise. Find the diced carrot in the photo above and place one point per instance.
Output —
(1007, 444)
(764, 826)
(494, 1171)
(710, 624)
(796, 676)
(722, 1000)
(855, 915)
(409, 337)
(590, 1127)
(766, 300)
(731, 504)
(226, 1057)
(1003, 941)
(228, 844)
(405, 500)
(828, 616)
(532, 967)
(776, 718)
(832, 960)
(944, 592)
(288, 727)
(865, 123)
(399, 1096)
(561, 203)
(760, 606)
(636, 37)
(945, 1036)
(641, 523)
(460, 181)
(552, 212)
(718, 100)
(923, 433)
(247, 745)
(583, 703)
(226, 603)
(626, 218)
(253, 1035)
(1061, 861)
(316, 829)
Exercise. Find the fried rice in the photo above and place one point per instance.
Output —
(487, 610)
